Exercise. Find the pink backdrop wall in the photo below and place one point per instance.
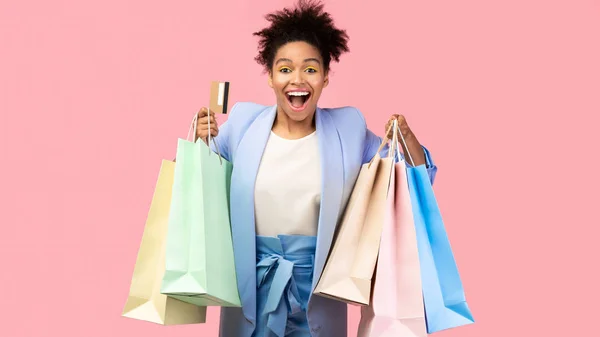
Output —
(506, 95)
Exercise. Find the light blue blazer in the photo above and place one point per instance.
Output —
(345, 143)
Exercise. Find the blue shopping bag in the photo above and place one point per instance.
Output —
(443, 293)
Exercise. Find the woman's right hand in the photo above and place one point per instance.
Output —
(202, 125)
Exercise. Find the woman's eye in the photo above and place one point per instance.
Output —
(311, 70)
(285, 70)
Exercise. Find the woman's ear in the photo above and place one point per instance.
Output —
(270, 78)
(326, 79)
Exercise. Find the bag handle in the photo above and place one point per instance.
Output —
(194, 127)
(394, 145)
(405, 146)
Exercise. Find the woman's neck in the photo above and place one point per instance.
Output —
(285, 127)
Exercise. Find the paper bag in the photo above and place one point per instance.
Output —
(200, 266)
(349, 269)
(145, 302)
(443, 293)
(396, 308)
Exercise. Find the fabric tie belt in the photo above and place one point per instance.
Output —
(283, 296)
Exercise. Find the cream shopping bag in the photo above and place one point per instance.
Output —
(145, 302)
(349, 269)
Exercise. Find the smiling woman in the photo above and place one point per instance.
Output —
(296, 51)
(295, 165)
(298, 77)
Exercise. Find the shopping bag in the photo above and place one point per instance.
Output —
(349, 268)
(443, 294)
(396, 308)
(145, 302)
(200, 265)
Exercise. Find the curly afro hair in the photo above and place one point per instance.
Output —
(307, 22)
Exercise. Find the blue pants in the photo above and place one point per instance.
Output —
(284, 273)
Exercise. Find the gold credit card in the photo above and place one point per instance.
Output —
(219, 93)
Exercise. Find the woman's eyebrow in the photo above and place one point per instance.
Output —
(305, 60)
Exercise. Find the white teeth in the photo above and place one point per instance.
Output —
(298, 93)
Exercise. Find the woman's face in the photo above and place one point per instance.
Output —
(297, 78)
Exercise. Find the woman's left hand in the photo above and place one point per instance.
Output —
(402, 125)
(414, 147)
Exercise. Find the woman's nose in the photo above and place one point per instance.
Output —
(298, 78)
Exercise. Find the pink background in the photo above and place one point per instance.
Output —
(505, 94)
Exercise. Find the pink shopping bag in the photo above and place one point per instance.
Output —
(396, 308)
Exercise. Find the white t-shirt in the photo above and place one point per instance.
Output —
(288, 187)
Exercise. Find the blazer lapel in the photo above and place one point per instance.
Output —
(245, 168)
(332, 188)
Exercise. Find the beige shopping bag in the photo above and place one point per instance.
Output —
(349, 269)
(145, 302)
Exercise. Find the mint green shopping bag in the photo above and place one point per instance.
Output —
(200, 266)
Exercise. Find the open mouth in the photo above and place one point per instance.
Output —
(298, 99)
